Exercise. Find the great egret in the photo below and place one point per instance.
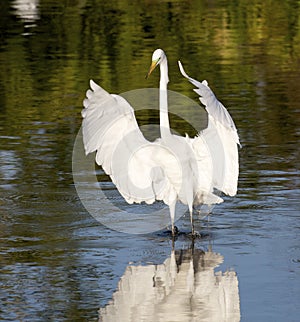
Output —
(173, 168)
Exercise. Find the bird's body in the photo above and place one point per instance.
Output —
(172, 168)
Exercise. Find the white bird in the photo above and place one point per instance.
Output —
(172, 168)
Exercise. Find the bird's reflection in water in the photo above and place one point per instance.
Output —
(27, 10)
(184, 288)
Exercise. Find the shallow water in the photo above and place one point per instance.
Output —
(56, 261)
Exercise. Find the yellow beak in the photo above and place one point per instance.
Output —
(152, 67)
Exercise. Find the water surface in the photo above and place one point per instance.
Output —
(56, 261)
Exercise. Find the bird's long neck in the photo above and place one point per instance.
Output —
(163, 100)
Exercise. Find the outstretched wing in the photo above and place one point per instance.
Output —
(220, 137)
(110, 128)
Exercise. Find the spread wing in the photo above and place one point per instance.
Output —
(220, 137)
(135, 165)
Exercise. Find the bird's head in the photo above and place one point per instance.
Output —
(157, 57)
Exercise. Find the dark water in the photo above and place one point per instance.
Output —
(56, 262)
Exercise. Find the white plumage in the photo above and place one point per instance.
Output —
(173, 168)
(184, 288)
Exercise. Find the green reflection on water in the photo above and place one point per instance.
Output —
(248, 52)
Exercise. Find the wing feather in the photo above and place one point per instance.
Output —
(110, 128)
(220, 137)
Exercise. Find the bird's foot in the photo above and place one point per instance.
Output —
(195, 234)
(174, 231)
